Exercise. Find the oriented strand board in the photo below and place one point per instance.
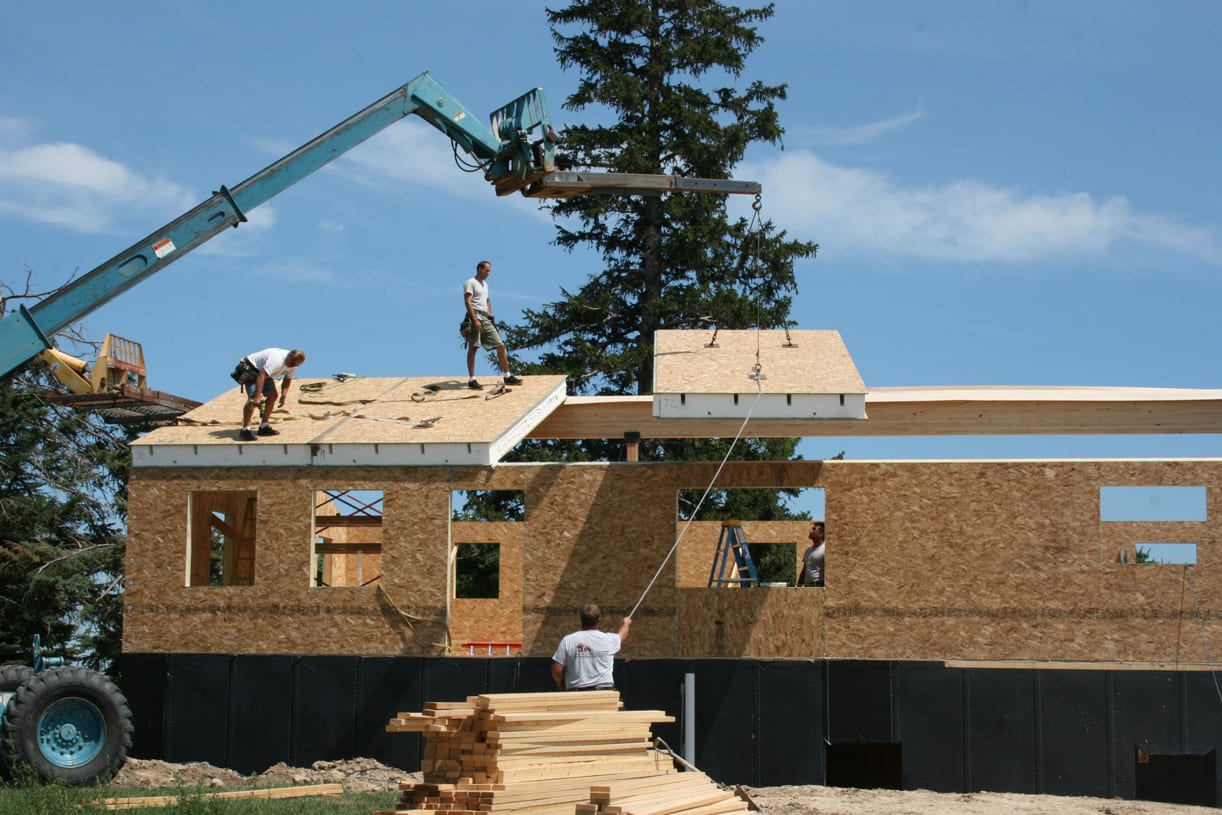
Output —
(800, 362)
(379, 421)
(497, 619)
(758, 623)
(971, 561)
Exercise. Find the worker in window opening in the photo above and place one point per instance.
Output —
(584, 659)
(812, 558)
(479, 326)
(257, 373)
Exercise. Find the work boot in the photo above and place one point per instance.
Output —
(512, 380)
(246, 434)
(475, 386)
(267, 430)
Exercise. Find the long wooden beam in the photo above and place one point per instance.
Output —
(951, 411)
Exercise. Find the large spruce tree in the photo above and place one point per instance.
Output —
(667, 77)
(63, 478)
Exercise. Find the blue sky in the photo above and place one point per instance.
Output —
(1005, 193)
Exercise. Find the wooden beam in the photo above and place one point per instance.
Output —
(347, 548)
(919, 412)
(321, 521)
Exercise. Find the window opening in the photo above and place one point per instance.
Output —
(1166, 553)
(781, 504)
(487, 505)
(347, 541)
(221, 537)
(1152, 504)
(776, 561)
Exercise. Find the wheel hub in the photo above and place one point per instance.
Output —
(71, 732)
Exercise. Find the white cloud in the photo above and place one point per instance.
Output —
(296, 271)
(854, 210)
(14, 129)
(72, 186)
(861, 134)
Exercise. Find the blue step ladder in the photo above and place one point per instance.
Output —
(732, 544)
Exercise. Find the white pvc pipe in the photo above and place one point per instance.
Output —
(689, 718)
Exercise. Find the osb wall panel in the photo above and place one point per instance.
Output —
(760, 623)
(926, 560)
(698, 547)
(490, 619)
(281, 612)
(1009, 560)
(598, 533)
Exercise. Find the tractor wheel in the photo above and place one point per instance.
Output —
(71, 725)
(11, 677)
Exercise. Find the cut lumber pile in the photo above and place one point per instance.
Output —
(549, 754)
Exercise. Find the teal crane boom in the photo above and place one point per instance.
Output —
(517, 154)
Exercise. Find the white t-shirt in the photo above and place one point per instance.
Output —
(274, 361)
(478, 292)
(813, 558)
(587, 657)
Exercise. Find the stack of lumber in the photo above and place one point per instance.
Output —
(548, 754)
(692, 793)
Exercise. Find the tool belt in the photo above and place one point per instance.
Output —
(464, 327)
(245, 373)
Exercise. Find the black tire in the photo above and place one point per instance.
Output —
(11, 678)
(70, 725)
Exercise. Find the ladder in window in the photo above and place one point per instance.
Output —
(732, 544)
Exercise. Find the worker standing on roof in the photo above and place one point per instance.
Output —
(585, 658)
(479, 327)
(257, 373)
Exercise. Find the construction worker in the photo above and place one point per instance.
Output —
(812, 558)
(257, 373)
(584, 659)
(479, 327)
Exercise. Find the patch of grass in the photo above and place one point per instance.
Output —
(54, 799)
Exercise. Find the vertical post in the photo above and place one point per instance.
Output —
(689, 718)
(632, 439)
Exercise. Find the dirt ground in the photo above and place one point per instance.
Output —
(363, 774)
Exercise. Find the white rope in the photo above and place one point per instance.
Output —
(758, 392)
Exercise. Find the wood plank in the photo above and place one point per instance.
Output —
(308, 791)
(918, 412)
(550, 716)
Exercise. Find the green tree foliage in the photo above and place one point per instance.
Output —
(668, 74)
(669, 262)
(63, 477)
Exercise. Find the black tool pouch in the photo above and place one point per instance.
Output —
(245, 373)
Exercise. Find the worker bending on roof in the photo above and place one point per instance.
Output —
(257, 373)
(584, 659)
(479, 326)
